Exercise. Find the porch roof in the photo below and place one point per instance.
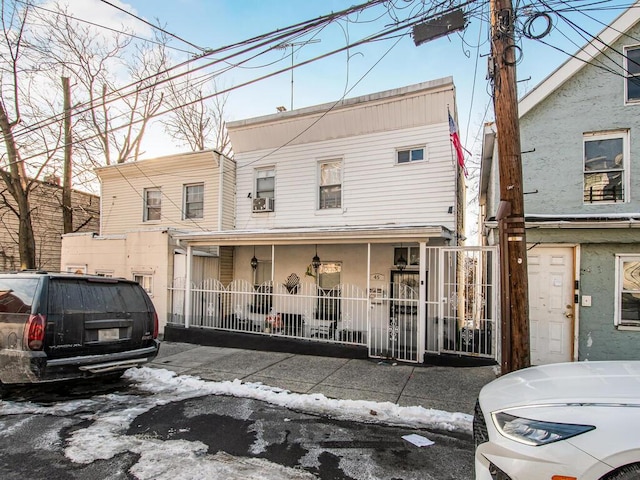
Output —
(347, 234)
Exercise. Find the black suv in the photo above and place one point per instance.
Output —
(56, 326)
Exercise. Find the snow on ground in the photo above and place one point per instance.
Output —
(168, 383)
(180, 460)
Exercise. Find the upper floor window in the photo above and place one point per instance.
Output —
(152, 204)
(632, 68)
(265, 190)
(330, 191)
(627, 291)
(605, 160)
(409, 155)
(194, 201)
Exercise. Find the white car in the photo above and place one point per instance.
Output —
(564, 421)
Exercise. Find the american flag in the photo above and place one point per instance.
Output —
(457, 146)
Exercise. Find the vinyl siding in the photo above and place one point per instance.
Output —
(123, 189)
(375, 189)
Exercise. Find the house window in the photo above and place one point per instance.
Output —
(145, 280)
(265, 183)
(104, 273)
(265, 190)
(632, 68)
(411, 255)
(410, 155)
(194, 201)
(152, 204)
(605, 160)
(627, 291)
(330, 194)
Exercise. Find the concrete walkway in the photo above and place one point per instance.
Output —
(453, 389)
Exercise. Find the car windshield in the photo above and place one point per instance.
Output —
(16, 294)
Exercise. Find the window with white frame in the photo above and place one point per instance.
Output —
(145, 280)
(152, 204)
(605, 161)
(627, 291)
(409, 155)
(264, 190)
(104, 273)
(330, 188)
(265, 183)
(193, 201)
(632, 77)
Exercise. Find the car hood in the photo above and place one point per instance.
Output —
(610, 382)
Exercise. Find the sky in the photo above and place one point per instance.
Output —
(105, 434)
(365, 69)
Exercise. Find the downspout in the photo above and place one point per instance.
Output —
(422, 298)
(369, 304)
(220, 190)
(187, 290)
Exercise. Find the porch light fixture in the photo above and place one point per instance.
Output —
(401, 262)
(315, 261)
(254, 260)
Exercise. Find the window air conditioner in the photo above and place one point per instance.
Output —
(263, 204)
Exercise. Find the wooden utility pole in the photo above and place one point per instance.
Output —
(513, 245)
(67, 210)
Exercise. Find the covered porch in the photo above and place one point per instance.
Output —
(398, 292)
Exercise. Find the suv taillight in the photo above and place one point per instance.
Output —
(34, 331)
(155, 325)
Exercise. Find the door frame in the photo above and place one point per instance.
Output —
(575, 325)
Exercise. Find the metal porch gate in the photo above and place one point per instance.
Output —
(459, 313)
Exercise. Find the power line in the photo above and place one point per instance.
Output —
(407, 24)
(157, 27)
(275, 36)
(104, 27)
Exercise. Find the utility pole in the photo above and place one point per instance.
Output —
(67, 210)
(513, 244)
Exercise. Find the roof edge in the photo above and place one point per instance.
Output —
(608, 35)
(301, 112)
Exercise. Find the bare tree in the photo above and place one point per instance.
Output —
(17, 69)
(193, 120)
(112, 120)
(109, 122)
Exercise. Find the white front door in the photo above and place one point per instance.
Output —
(551, 308)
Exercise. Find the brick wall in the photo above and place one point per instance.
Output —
(46, 201)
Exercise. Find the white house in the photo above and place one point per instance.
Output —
(337, 208)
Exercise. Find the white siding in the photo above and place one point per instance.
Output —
(375, 189)
(123, 192)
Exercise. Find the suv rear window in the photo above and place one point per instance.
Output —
(16, 294)
(74, 296)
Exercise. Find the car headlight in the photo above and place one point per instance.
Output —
(536, 432)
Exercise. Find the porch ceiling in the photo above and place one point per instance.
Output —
(436, 234)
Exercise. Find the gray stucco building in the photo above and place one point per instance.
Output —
(580, 128)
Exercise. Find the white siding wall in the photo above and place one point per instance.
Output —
(375, 189)
(123, 192)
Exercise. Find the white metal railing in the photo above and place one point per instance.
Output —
(302, 311)
(460, 309)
